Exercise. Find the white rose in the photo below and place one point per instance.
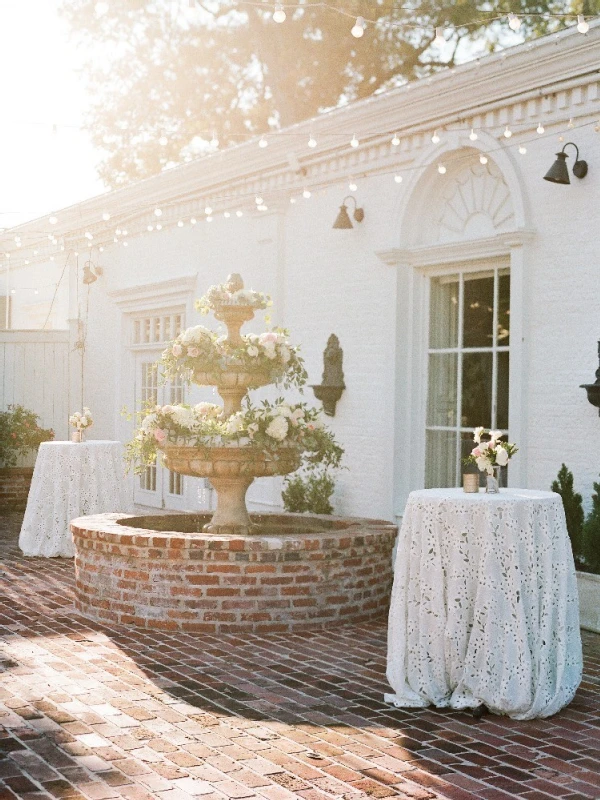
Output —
(148, 422)
(477, 434)
(269, 348)
(495, 435)
(278, 428)
(484, 464)
(283, 410)
(235, 424)
(252, 351)
(183, 416)
(501, 456)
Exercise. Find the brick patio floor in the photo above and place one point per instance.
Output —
(99, 712)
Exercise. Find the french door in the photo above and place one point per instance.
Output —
(157, 486)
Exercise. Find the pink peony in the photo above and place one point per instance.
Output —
(193, 352)
(177, 350)
(268, 336)
(159, 435)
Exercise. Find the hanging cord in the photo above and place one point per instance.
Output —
(57, 287)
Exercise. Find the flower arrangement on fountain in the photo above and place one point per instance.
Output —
(200, 351)
(270, 428)
(232, 294)
(490, 450)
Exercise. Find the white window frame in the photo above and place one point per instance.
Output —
(414, 268)
(496, 267)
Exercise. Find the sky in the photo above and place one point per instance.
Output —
(42, 168)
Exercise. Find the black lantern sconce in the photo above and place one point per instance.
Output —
(593, 389)
(343, 221)
(558, 172)
(332, 383)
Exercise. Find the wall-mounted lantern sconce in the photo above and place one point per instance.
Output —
(332, 383)
(558, 172)
(343, 221)
(91, 273)
(593, 389)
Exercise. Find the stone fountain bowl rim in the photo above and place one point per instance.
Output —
(114, 528)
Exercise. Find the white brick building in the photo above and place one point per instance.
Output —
(469, 297)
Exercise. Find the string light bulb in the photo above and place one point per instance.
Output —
(239, 213)
(395, 140)
(158, 212)
(258, 200)
(106, 216)
(163, 141)
(441, 169)
(354, 141)
(88, 236)
(507, 132)
(483, 159)
(263, 142)
(582, 25)
(150, 228)
(193, 221)
(435, 138)
(226, 214)
(306, 194)
(522, 150)
(571, 124)
(540, 129)
(514, 23)
(180, 224)
(312, 142)
(352, 185)
(279, 13)
(358, 28)
(158, 226)
(440, 39)
(208, 211)
(214, 142)
(473, 136)
(398, 178)
(52, 220)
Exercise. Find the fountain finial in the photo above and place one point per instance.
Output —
(234, 282)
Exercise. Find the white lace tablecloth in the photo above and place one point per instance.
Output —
(484, 606)
(70, 480)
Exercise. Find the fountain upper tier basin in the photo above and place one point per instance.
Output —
(298, 572)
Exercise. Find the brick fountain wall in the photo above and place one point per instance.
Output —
(14, 487)
(328, 571)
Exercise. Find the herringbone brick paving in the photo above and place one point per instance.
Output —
(104, 712)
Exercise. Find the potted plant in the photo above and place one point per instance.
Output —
(20, 437)
(584, 533)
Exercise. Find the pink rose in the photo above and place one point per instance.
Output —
(193, 352)
(269, 336)
(159, 435)
(177, 350)
(476, 452)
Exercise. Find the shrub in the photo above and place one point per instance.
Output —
(311, 493)
(20, 433)
(591, 535)
(572, 502)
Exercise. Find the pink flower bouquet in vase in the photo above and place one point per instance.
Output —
(490, 455)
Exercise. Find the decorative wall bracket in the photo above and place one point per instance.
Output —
(593, 389)
(332, 383)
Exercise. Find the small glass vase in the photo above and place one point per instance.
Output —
(493, 482)
(77, 436)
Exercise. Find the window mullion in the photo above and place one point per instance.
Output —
(495, 351)
(461, 295)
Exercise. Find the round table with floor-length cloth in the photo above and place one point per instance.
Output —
(484, 607)
(70, 480)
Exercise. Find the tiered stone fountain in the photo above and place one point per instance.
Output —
(231, 470)
(233, 572)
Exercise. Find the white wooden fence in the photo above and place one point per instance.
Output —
(35, 372)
